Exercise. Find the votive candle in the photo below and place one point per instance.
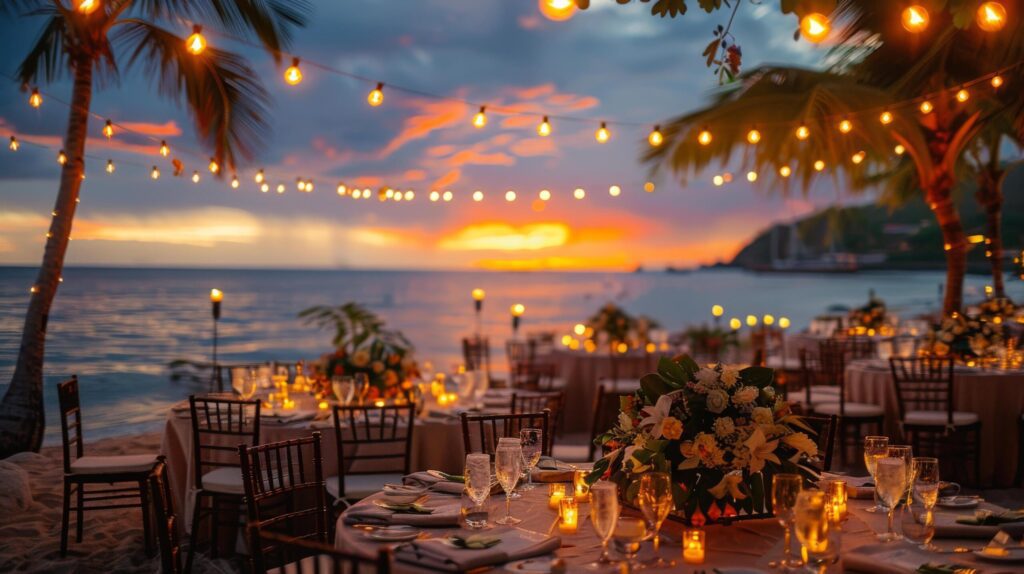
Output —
(379, 403)
(836, 494)
(556, 492)
(569, 515)
(693, 546)
(581, 490)
(323, 405)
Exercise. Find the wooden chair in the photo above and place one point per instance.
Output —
(607, 404)
(856, 419)
(303, 556)
(552, 401)
(284, 495)
(814, 382)
(219, 425)
(374, 446)
(125, 475)
(166, 520)
(825, 435)
(480, 433)
(924, 393)
(1019, 478)
(860, 347)
(476, 354)
(518, 352)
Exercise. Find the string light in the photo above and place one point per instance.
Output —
(614, 191)
(803, 132)
(704, 137)
(751, 321)
(886, 118)
(751, 176)
(510, 196)
(997, 82)
(926, 107)
(819, 165)
(480, 119)
(434, 196)
(735, 324)
(309, 186)
(655, 138)
(753, 136)
(579, 193)
(899, 149)
(35, 100)
(845, 126)
(649, 187)
(557, 10)
(108, 129)
(214, 166)
(785, 171)
(155, 174)
(280, 189)
(858, 157)
(815, 27)
(234, 182)
(265, 187)
(196, 43)
(446, 196)
(14, 145)
(478, 195)
(991, 16)
(718, 180)
(602, 134)
(342, 190)
(86, 6)
(963, 95)
(300, 184)
(544, 195)
(164, 150)
(376, 96)
(915, 19)
(259, 177)
(195, 177)
(293, 75)
(110, 166)
(62, 158)
(544, 128)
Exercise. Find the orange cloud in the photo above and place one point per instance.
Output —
(533, 147)
(367, 181)
(166, 129)
(435, 115)
(414, 175)
(440, 150)
(529, 22)
(499, 236)
(610, 262)
(474, 157)
(533, 92)
(449, 178)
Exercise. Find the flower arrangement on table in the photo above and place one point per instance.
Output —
(997, 309)
(710, 340)
(722, 432)
(966, 339)
(870, 319)
(363, 344)
(614, 326)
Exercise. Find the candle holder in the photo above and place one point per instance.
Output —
(836, 497)
(478, 306)
(556, 492)
(516, 311)
(568, 515)
(694, 546)
(581, 490)
(216, 296)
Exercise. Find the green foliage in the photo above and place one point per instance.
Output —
(353, 325)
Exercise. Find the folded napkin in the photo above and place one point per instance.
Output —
(434, 482)
(989, 518)
(442, 554)
(857, 487)
(1011, 532)
(887, 559)
(948, 525)
(550, 470)
(368, 512)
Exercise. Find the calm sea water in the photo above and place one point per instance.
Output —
(117, 329)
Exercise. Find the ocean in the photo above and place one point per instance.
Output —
(118, 328)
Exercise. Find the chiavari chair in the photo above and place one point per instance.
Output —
(480, 433)
(374, 446)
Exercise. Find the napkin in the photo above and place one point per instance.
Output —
(988, 518)
(440, 554)
(857, 487)
(948, 525)
(886, 559)
(550, 470)
(435, 484)
(369, 513)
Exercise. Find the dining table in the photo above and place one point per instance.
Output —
(582, 372)
(995, 395)
(746, 546)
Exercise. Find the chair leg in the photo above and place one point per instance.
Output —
(193, 536)
(215, 528)
(147, 532)
(65, 518)
(80, 513)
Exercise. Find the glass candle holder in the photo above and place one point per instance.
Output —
(569, 515)
(836, 497)
(556, 492)
(693, 546)
(581, 490)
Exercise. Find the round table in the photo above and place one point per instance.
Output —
(582, 373)
(997, 397)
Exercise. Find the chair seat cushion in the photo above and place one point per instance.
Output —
(319, 563)
(818, 395)
(572, 452)
(825, 390)
(358, 486)
(852, 409)
(939, 418)
(225, 480)
(113, 464)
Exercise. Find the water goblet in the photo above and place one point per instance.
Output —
(875, 447)
(925, 490)
(785, 490)
(890, 486)
(604, 512)
(629, 532)
(813, 530)
(906, 453)
(362, 387)
(508, 461)
(513, 442)
(655, 500)
(344, 387)
(532, 441)
(478, 488)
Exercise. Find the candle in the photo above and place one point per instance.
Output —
(556, 492)
(288, 404)
(581, 490)
(693, 546)
(836, 495)
(569, 516)
(323, 405)
(216, 295)
(379, 403)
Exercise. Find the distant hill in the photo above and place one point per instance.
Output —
(904, 238)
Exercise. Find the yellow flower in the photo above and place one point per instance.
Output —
(361, 358)
(730, 377)
(730, 483)
(671, 428)
(802, 443)
(761, 450)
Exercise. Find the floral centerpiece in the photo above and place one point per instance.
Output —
(613, 325)
(997, 309)
(362, 344)
(722, 432)
(964, 338)
(869, 318)
(710, 340)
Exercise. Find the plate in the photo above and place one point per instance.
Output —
(393, 534)
(1012, 555)
(958, 502)
(541, 564)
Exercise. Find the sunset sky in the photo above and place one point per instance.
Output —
(611, 62)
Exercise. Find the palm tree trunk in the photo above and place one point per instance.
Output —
(22, 419)
(990, 196)
(940, 199)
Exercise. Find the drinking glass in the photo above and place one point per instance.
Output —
(478, 487)
(926, 492)
(473, 514)
(904, 451)
(875, 447)
(890, 486)
(532, 441)
(343, 387)
(243, 380)
(812, 529)
(604, 512)
(508, 465)
(628, 533)
(655, 500)
(263, 377)
(362, 386)
(785, 489)
(512, 442)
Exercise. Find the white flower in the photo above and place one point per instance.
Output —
(761, 450)
(730, 377)
(707, 378)
(717, 401)
(724, 427)
(656, 414)
(762, 415)
(730, 484)
(625, 422)
(745, 395)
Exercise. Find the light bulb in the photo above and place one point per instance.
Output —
(410, 195)
(819, 165)
(926, 107)
(196, 43)
(735, 324)
(544, 127)
(434, 196)
(649, 186)
(517, 310)
(602, 134)
(845, 126)
(803, 132)
(293, 75)
(86, 6)
(480, 119)
(280, 188)
(164, 150)
(397, 196)
(751, 176)
(342, 190)
(915, 19)
(214, 166)
(478, 195)
(886, 118)
(155, 174)
(785, 171)
(108, 129)
(14, 145)
(557, 10)
(544, 195)
(309, 186)
(858, 157)
(62, 158)
(446, 196)
(195, 177)
(36, 99)
(718, 180)
(265, 187)
(815, 27)
(784, 322)
(614, 191)
(234, 182)
(899, 149)
(751, 320)
(768, 320)
(110, 166)
(510, 196)
(991, 16)
(376, 96)
(579, 193)
(963, 95)
(259, 177)
(704, 137)
(717, 310)
(996, 82)
(753, 136)
(655, 138)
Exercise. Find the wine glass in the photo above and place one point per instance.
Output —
(890, 486)
(243, 380)
(532, 440)
(508, 465)
(925, 489)
(785, 489)
(628, 533)
(604, 512)
(655, 500)
(512, 442)
(478, 485)
(904, 451)
(875, 447)
(343, 387)
(812, 528)
(362, 386)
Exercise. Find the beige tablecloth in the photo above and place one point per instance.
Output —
(996, 396)
(582, 372)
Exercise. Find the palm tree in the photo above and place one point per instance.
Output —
(97, 40)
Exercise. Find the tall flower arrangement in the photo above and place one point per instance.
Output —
(615, 325)
(965, 338)
(722, 432)
(871, 317)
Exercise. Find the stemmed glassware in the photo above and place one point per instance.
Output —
(629, 532)
(925, 488)
(904, 451)
(478, 487)
(362, 386)
(604, 512)
(785, 489)
(655, 500)
(875, 447)
(243, 380)
(513, 442)
(508, 463)
(532, 441)
(344, 387)
(890, 486)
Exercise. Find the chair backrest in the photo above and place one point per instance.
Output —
(607, 405)
(924, 384)
(759, 346)
(70, 421)
(307, 557)
(373, 440)
(284, 494)
(480, 433)
(219, 425)
(824, 428)
(476, 354)
(166, 519)
(861, 347)
(518, 352)
(552, 401)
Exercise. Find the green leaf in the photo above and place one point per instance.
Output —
(757, 376)
(653, 387)
(600, 467)
(689, 366)
(631, 492)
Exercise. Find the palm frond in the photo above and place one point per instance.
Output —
(225, 98)
(47, 59)
(21, 7)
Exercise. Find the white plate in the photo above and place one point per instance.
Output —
(958, 502)
(539, 565)
(393, 534)
(1014, 555)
